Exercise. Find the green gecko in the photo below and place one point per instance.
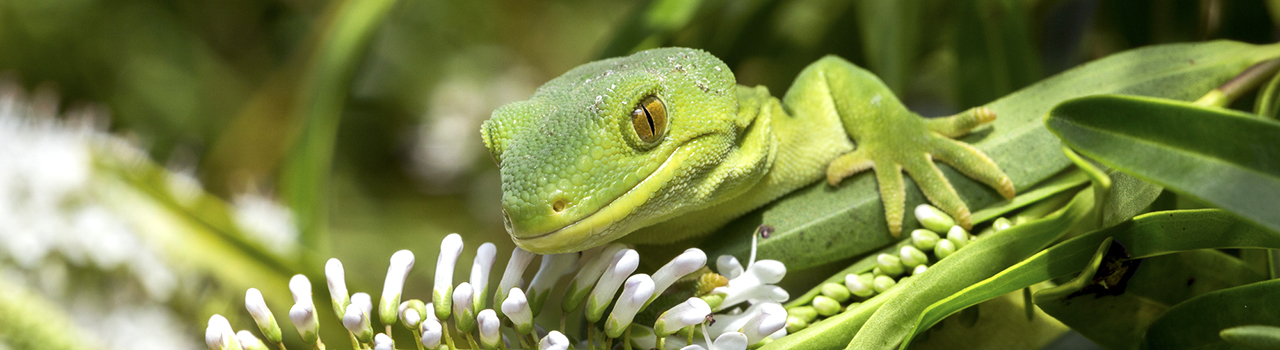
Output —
(663, 145)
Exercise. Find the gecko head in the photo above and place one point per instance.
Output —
(610, 146)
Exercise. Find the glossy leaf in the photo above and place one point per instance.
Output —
(829, 224)
(1197, 323)
(1145, 236)
(1226, 158)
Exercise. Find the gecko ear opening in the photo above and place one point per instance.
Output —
(489, 133)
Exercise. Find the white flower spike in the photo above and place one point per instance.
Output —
(516, 307)
(691, 312)
(489, 324)
(397, 272)
(262, 315)
(337, 281)
(553, 267)
(442, 293)
(480, 268)
(520, 260)
(635, 293)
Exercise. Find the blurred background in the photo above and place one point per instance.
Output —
(159, 157)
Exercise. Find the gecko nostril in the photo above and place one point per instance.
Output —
(558, 205)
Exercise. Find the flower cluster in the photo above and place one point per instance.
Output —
(926, 246)
(745, 305)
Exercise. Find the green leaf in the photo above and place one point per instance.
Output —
(1197, 323)
(890, 37)
(1268, 102)
(1145, 236)
(1253, 336)
(830, 224)
(992, 45)
(1226, 158)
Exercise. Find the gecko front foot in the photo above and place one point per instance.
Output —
(910, 143)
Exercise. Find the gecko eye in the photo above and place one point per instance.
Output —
(650, 119)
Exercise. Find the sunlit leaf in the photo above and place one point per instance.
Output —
(1197, 323)
(1226, 158)
(828, 224)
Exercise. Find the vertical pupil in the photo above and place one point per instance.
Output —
(649, 118)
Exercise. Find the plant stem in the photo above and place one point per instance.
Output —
(1244, 82)
(445, 331)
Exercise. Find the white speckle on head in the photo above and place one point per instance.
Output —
(875, 100)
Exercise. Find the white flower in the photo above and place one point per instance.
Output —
(303, 316)
(383, 342)
(520, 260)
(554, 341)
(771, 319)
(262, 315)
(336, 278)
(489, 328)
(691, 312)
(219, 335)
(357, 322)
(588, 275)
(450, 249)
(397, 272)
(553, 267)
(635, 294)
(249, 342)
(516, 307)
(756, 283)
(728, 266)
(602, 295)
(686, 263)
(462, 310)
(480, 268)
(431, 330)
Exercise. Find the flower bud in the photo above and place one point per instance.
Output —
(397, 272)
(860, 285)
(731, 341)
(933, 218)
(363, 301)
(686, 263)
(357, 322)
(919, 270)
(826, 306)
(219, 335)
(262, 315)
(480, 268)
(944, 249)
(336, 278)
(1001, 224)
(249, 342)
(806, 313)
(728, 266)
(300, 286)
(383, 342)
(489, 325)
(688, 313)
(588, 275)
(772, 318)
(442, 292)
(516, 307)
(520, 260)
(553, 267)
(613, 277)
(554, 341)
(883, 283)
(912, 256)
(958, 236)
(431, 332)
(924, 239)
(465, 315)
(303, 316)
(412, 312)
(890, 265)
(635, 293)
(795, 324)
(835, 291)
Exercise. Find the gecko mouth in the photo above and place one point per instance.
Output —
(610, 221)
